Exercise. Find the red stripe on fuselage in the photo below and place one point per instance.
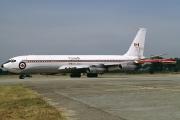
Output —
(44, 61)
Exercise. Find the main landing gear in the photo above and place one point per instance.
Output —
(78, 75)
(92, 75)
(75, 75)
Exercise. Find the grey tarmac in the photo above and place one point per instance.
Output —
(125, 97)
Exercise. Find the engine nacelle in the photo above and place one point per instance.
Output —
(127, 67)
(96, 70)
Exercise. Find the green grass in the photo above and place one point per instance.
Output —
(20, 103)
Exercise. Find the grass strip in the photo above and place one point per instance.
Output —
(20, 103)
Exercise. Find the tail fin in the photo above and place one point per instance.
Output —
(137, 47)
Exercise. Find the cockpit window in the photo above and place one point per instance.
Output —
(10, 61)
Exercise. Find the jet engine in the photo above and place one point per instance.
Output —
(96, 70)
(127, 67)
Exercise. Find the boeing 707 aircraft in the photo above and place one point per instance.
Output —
(77, 64)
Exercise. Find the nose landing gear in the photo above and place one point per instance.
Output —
(21, 77)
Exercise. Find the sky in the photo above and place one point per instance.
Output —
(87, 27)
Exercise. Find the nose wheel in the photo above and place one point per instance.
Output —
(21, 77)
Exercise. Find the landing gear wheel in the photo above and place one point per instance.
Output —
(21, 77)
(78, 75)
(92, 75)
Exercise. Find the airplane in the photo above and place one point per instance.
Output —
(77, 64)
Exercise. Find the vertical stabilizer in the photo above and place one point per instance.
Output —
(137, 47)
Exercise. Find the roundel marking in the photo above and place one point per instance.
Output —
(22, 65)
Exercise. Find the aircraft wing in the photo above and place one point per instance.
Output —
(70, 68)
(128, 65)
(104, 66)
(109, 65)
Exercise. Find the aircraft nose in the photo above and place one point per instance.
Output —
(2, 65)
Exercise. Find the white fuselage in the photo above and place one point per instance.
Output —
(54, 63)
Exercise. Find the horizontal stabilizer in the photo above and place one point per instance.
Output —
(163, 61)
